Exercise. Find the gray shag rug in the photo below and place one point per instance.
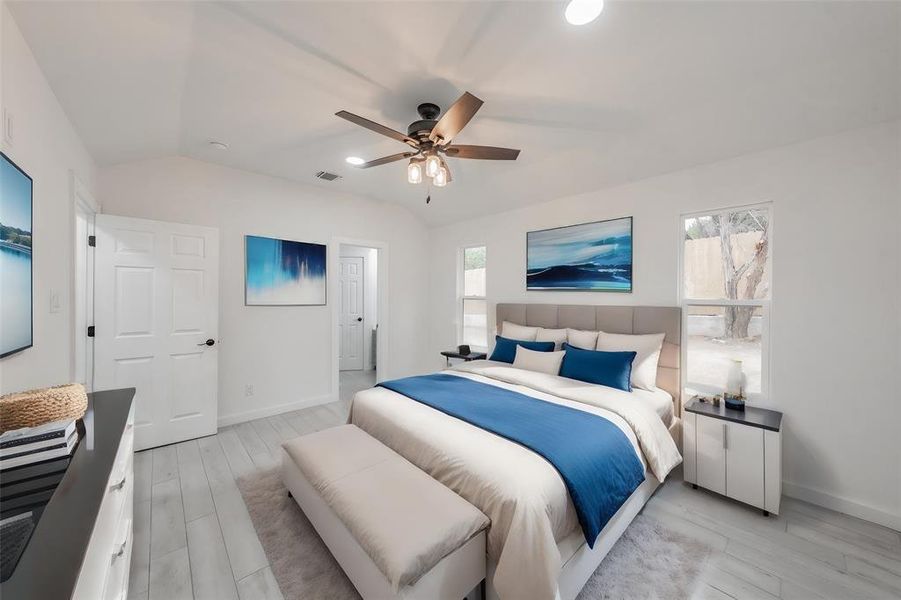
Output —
(649, 561)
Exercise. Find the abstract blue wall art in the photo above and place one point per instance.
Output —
(16, 272)
(591, 257)
(283, 273)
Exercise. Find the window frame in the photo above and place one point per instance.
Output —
(462, 297)
(765, 304)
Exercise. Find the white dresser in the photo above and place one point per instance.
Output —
(81, 545)
(734, 453)
(104, 572)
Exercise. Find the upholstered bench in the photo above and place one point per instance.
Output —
(395, 531)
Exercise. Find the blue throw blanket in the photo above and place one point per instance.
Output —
(594, 457)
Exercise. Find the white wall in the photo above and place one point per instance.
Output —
(285, 353)
(836, 321)
(370, 258)
(45, 146)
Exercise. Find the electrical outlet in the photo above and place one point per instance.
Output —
(248, 391)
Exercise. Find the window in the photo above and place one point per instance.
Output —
(474, 330)
(726, 294)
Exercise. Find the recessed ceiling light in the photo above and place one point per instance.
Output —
(354, 160)
(580, 12)
(218, 145)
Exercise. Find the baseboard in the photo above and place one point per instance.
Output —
(268, 411)
(842, 505)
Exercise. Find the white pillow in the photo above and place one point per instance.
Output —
(586, 340)
(540, 362)
(647, 353)
(512, 331)
(558, 336)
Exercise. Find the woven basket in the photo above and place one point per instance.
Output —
(36, 407)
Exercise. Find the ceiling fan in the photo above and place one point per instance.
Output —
(430, 139)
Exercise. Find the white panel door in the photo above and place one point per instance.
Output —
(156, 305)
(744, 464)
(711, 453)
(350, 320)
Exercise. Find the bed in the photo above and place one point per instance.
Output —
(536, 547)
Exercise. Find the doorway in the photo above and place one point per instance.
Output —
(358, 327)
(84, 209)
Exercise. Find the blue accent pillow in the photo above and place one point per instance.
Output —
(505, 348)
(613, 369)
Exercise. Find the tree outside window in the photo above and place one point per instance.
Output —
(726, 292)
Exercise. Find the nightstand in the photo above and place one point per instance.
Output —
(449, 354)
(734, 453)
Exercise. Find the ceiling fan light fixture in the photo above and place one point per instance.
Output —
(414, 171)
(432, 165)
(582, 12)
(430, 139)
(440, 179)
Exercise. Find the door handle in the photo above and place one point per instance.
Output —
(121, 550)
(209, 342)
(359, 319)
(118, 486)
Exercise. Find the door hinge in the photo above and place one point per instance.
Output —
(90, 331)
(92, 241)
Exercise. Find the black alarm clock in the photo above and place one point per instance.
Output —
(463, 349)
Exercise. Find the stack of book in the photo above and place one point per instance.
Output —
(33, 462)
(37, 444)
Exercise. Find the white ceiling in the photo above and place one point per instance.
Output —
(646, 89)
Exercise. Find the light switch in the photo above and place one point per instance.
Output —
(54, 301)
(7, 126)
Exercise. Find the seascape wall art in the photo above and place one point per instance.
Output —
(16, 269)
(284, 272)
(588, 257)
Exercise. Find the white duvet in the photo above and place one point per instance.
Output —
(521, 492)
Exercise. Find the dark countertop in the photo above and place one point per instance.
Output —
(50, 565)
(752, 416)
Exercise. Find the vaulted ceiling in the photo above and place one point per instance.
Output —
(646, 89)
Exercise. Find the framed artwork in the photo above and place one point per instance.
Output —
(283, 272)
(16, 265)
(587, 257)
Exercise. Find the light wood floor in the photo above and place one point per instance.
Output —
(193, 537)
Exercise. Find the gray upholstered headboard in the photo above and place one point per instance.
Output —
(612, 319)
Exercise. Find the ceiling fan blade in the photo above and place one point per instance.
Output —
(376, 127)
(455, 118)
(481, 152)
(385, 160)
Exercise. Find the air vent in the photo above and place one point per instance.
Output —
(327, 176)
